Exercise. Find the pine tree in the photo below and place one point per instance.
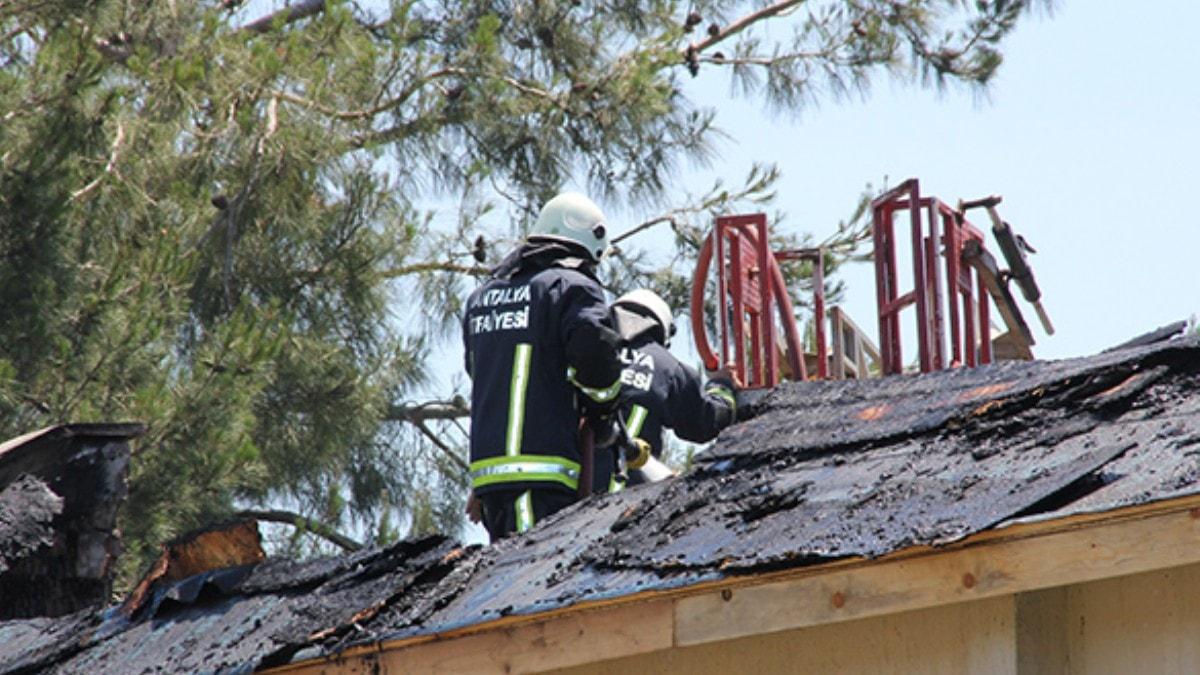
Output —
(235, 227)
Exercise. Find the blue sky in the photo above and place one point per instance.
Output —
(1091, 132)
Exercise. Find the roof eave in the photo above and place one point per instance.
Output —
(1021, 557)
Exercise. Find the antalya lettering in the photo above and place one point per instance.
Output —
(483, 320)
(502, 296)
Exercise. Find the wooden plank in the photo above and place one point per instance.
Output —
(967, 637)
(851, 347)
(1003, 566)
(839, 343)
(559, 642)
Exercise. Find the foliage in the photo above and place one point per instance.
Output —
(250, 234)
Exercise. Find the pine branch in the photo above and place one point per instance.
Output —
(429, 410)
(418, 268)
(109, 168)
(399, 131)
(447, 450)
(642, 227)
(300, 10)
(755, 190)
(305, 523)
(407, 128)
(768, 61)
(742, 24)
(419, 413)
(369, 113)
(272, 125)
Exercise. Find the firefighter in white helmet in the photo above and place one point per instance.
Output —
(657, 391)
(541, 351)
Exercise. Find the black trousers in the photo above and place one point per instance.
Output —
(508, 511)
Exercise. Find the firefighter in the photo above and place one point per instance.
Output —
(540, 351)
(657, 391)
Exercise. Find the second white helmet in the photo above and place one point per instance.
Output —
(573, 218)
(649, 304)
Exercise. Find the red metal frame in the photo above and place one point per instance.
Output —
(970, 342)
(819, 313)
(817, 256)
(747, 298)
(750, 287)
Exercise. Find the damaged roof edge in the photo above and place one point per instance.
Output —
(123, 430)
(1019, 557)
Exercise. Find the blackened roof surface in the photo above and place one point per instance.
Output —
(27, 511)
(235, 619)
(60, 489)
(824, 471)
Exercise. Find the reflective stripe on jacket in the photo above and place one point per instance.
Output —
(523, 333)
(658, 392)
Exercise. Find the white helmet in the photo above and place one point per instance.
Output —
(572, 217)
(650, 305)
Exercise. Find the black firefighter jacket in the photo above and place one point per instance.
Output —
(534, 334)
(657, 392)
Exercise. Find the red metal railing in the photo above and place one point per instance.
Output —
(750, 289)
(931, 223)
(949, 296)
(817, 257)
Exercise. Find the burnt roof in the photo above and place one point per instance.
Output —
(237, 618)
(45, 451)
(27, 511)
(825, 470)
(60, 488)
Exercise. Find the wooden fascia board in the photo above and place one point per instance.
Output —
(1009, 560)
(1080, 549)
